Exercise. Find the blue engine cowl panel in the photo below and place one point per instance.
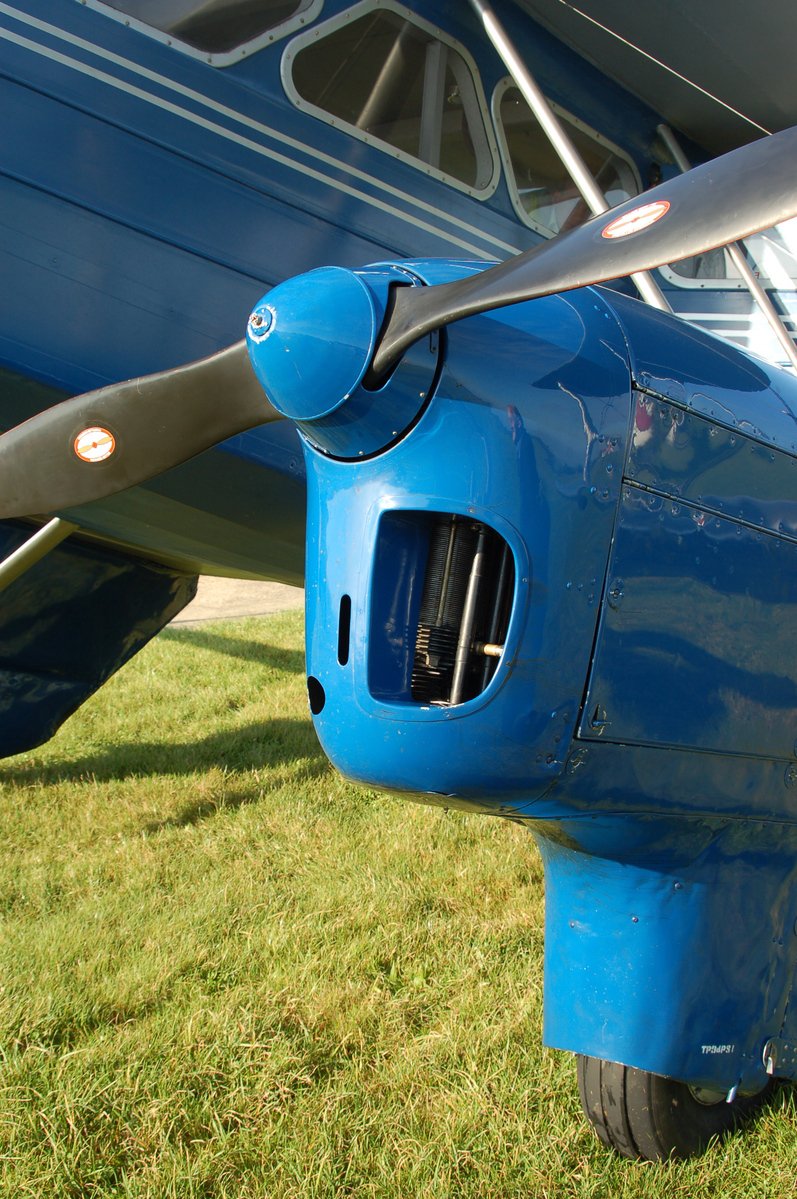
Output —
(525, 435)
(697, 644)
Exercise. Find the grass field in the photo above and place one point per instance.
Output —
(228, 973)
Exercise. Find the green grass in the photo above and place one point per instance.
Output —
(226, 972)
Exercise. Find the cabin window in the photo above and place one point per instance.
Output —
(213, 26)
(392, 79)
(542, 191)
(771, 253)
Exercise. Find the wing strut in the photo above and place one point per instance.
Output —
(736, 255)
(31, 551)
(557, 135)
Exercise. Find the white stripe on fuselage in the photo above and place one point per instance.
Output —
(264, 130)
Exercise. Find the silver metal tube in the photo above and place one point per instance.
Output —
(673, 145)
(739, 261)
(31, 551)
(464, 644)
(557, 135)
(430, 138)
(373, 110)
(489, 649)
(495, 616)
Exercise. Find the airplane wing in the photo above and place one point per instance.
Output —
(130, 564)
(716, 71)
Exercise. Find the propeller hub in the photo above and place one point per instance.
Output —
(311, 340)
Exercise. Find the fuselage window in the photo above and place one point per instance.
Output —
(771, 253)
(214, 26)
(544, 194)
(395, 82)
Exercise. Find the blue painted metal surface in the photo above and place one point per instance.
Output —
(196, 189)
(697, 640)
(557, 436)
(149, 199)
(325, 394)
(641, 714)
(670, 943)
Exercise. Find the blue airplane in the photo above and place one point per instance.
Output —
(571, 589)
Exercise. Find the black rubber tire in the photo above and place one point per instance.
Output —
(650, 1118)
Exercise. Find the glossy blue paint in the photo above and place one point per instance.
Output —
(676, 454)
(331, 306)
(544, 459)
(148, 200)
(640, 714)
(708, 376)
(309, 342)
(670, 944)
(698, 643)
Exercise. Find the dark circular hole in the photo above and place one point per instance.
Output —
(317, 695)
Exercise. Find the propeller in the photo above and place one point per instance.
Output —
(104, 441)
(725, 200)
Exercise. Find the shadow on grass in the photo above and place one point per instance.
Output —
(231, 799)
(783, 1097)
(291, 660)
(778, 1097)
(253, 747)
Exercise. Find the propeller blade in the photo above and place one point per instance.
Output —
(103, 441)
(725, 200)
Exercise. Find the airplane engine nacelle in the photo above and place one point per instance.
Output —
(454, 579)
(552, 575)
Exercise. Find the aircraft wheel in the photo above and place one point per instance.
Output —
(645, 1116)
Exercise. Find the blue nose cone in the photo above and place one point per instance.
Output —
(310, 341)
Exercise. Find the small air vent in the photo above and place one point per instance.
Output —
(464, 611)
